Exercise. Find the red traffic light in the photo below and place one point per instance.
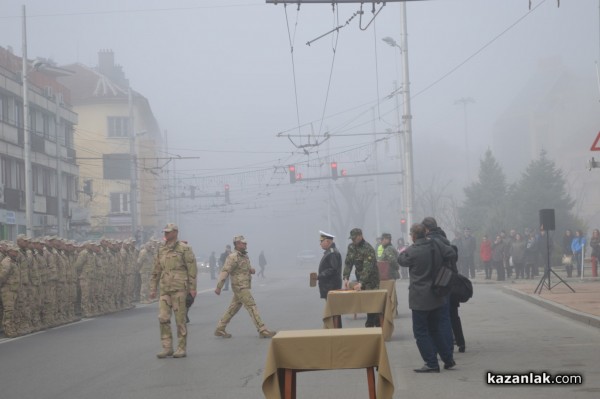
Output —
(334, 171)
(402, 221)
(292, 173)
(226, 186)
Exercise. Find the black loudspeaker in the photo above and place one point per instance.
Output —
(547, 219)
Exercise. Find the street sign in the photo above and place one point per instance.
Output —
(596, 146)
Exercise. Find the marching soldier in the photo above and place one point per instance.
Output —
(237, 266)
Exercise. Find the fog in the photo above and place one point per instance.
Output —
(220, 79)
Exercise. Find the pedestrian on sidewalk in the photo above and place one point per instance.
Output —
(578, 248)
(595, 244)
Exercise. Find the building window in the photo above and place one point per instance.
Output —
(119, 202)
(118, 126)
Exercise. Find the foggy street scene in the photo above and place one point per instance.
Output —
(205, 198)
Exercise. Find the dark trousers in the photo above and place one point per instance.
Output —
(519, 270)
(433, 333)
(373, 320)
(487, 266)
(499, 266)
(457, 330)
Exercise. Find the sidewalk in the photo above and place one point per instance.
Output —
(582, 305)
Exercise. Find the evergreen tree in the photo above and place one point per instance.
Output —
(542, 186)
(484, 207)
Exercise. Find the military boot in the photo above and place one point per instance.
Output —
(166, 352)
(181, 345)
(167, 344)
(266, 333)
(180, 352)
(220, 332)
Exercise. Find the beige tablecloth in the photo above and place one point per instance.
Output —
(341, 302)
(347, 348)
(391, 306)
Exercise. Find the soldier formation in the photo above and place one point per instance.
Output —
(50, 281)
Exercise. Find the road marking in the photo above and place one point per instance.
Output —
(7, 340)
(71, 324)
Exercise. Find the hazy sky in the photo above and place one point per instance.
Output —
(219, 75)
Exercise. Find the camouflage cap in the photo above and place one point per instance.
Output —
(386, 235)
(239, 238)
(355, 232)
(170, 227)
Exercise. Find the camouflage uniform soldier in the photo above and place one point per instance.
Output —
(24, 301)
(362, 256)
(238, 267)
(390, 255)
(144, 262)
(10, 282)
(35, 278)
(85, 266)
(175, 268)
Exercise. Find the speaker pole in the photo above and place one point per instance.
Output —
(546, 276)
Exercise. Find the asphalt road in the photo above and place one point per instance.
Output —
(114, 356)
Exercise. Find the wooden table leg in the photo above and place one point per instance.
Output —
(371, 382)
(289, 388)
(336, 321)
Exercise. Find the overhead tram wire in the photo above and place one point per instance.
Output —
(336, 11)
(431, 85)
(291, 41)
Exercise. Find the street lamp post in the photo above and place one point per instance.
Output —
(406, 118)
(26, 135)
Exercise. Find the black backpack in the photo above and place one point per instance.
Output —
(447, 281)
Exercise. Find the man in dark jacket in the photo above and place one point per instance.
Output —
(431, 321)
(330, 267)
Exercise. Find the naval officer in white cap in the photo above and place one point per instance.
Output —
(330, 267)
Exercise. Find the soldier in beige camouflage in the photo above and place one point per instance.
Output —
(175, 268)
(237, 265)
(10, 282)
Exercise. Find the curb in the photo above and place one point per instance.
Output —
(581, 317)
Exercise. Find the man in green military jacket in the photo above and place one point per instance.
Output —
(361, 255)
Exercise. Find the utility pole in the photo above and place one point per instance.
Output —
(407, 119)
(377, 219)
(26, 134)
(59, 169)
(133, 171)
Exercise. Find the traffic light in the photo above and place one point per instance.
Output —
(292, 172)
(227, 194)
(334, 171)
(193, 192)
(403, 225)
(344, 173)
(299, 176)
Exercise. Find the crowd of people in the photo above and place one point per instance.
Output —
(524, 255)
(50, 281)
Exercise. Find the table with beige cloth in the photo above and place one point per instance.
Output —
(392, 300)
(341, 302)
(349, 348)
